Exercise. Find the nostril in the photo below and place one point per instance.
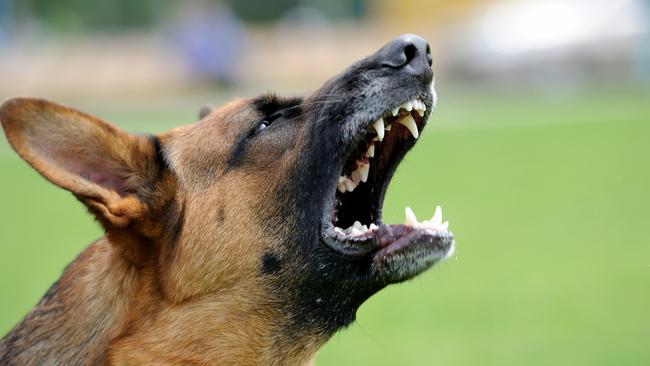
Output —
(406, 50)
(410, 51)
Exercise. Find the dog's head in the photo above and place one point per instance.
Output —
(279, 197)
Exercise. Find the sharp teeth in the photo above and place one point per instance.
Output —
(434, 224)
(379, 128)
(371, 151)
(373, 227)
(408, 106)
(437, 216)
(419, 107)
(355, 231)
(360, 174)
(395, 111)
(408, 122)
(363, 172)
(346, 184)
(388, 127)
(350, 185)
(341, 185)
(410, 219)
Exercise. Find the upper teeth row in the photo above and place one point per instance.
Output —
(407, 120)
(416, 104)
(348, 184)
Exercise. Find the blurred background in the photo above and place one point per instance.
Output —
(539, 153)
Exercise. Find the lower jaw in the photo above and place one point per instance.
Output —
(396, 251)
(365, 238)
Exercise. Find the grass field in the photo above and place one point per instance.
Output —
(549, 200)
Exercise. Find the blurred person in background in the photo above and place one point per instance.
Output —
(211, 39)
(5, 6)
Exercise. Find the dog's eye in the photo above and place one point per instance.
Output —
(264, 124)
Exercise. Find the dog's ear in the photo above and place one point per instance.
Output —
(204, 111)
(105, 167)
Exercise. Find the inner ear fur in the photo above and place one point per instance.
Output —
(112, 172)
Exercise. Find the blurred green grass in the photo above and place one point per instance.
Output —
(548, 198)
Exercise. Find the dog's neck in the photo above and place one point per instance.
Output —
(105, 310)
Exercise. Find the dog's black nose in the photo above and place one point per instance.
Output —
(408, 52)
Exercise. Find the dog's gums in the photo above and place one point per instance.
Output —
(247, 238)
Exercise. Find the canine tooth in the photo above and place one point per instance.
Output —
(371, 151)
(388, 127)
(437, 216)
(410, 219)
(395, 111)
(408, 122)
(364, 170)
(357, 225)
(421, 112)
(379, 128)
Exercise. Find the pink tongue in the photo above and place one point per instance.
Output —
(399, 243)
(390, 233)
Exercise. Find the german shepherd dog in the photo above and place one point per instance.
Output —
(247, 238)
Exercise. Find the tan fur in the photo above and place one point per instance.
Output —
(176, 279)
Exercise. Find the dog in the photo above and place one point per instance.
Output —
(247, 238)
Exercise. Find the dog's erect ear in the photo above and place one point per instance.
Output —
(105, 167)
(204, 111)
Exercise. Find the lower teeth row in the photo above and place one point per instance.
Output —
(356, 229)
(435, 224)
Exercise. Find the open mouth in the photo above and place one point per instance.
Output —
(353, 226)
